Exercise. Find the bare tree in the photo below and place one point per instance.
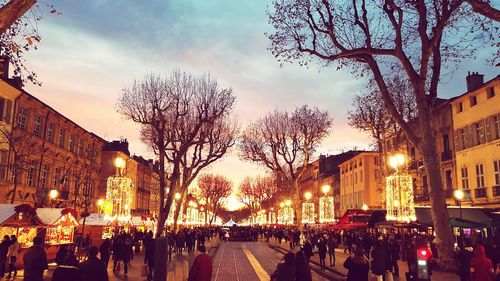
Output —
(282, 142)
(214, 189)
(12, 11)
(23, 153)
(254, 192)
(186, 121)
(416, 39)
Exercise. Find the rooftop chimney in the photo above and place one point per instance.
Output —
(474, 81)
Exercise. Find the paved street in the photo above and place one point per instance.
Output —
(246, 261)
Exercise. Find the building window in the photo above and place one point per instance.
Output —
(478, 133)
(490, 92)
(50, 132)
(361, 176)
(460, 107)
(461, 133)
(21, 118)
(473, 101)
(80, 147)
(496, 126)
(62, 134)
(44, 175)
(66, 182)
(57, 178)
(465, 178)
(479, 175)
(37, 125)
(4, 156)
(71, 145)
(496, 165)
(30, 178)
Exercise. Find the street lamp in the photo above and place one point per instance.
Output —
(100, 202)
(288, 203)
(325, 188)
(396, 160)
(459, 196)
(308, 195)
(177, 196)
(53, 193)
(119, 164)
(364, 207)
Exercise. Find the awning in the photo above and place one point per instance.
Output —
(348, 226)
(471, 214)
(457, 222)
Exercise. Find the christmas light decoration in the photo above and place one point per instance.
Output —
(272, 217)
(307, 209)
(399, 193)
(118, 198)
(285, 213)
(326, 209)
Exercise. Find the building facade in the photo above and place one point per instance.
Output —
(476, 127)
(359, 183)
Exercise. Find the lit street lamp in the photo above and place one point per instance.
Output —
(53, 193)
(100, 202)
(459, 196)
(364, 207)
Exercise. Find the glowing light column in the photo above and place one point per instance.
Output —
(118, 195)
(326, 207)
(272, 216)
(399, 193)
(307, 209)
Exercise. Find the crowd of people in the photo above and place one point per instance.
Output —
(476, 257)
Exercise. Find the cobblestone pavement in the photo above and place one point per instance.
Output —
(246, 261)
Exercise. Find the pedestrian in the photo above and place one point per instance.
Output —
(12, 256)
(302, 269)
(104, 251)
(481, 268)
(65, 272)
(201, 270)
(322, 252)
(149, 255)
(285, 271)
(308, 249)
(463, 258)
(331, 249)
(35, 261)
(357, 266)
(93, 269)
(4, 248)
(378, 264)
(393, 249)
(125, 255)
(117, 241)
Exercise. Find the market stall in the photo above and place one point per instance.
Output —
(144, 224)
(61, 224)
(97, 227)
(20, 220)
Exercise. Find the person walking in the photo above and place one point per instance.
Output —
(104, 251)
(331, 249)
(302, 269)
(464, 257)
(117, 244)
(35, 261)
(285, 271)
(93, 269)
(4, 248)
(308, 249)
(357, 266)
(201, 270)
(379, 259)
(322, 252)
(125, 254)
(12, 256)
(149, 256)
(481, 268)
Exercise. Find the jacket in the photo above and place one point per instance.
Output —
(64, 273)
(93, 269)
(35, 263)
(201, 270)
(379, 258)
(13, 249)
(481, 268)
(356, 270)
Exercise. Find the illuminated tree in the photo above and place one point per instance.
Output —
(214, 189)
(415, 39)
(253, 192)
(285, 141)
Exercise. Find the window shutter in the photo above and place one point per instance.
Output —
(456, 140)
(482, 137)
(488, 128)
(468, 137)
(8, 112)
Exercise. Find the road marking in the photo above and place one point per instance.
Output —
(261, 273)
(235, 267)
(220, 261)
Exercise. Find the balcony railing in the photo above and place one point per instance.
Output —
(480, 192)
(496, 190)
(446, 155)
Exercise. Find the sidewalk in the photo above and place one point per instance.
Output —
(340, 257)
(134, 268)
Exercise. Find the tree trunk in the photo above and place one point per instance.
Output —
(162, 215)
(444, 235)
(297, 205)
(14, 190)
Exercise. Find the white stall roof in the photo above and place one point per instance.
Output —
(49, 216)
(6, 211)
(95, 219)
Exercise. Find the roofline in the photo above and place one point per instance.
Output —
(480, 87)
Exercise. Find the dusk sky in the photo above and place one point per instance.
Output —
(95, 48)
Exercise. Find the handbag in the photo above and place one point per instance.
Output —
(144, 270)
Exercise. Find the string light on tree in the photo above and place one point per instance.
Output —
(326, 207)
(307, 209)
(399, 192)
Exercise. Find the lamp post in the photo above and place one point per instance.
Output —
(364, 207)
(100, 202)
(399, 192)
(459, 196)
(53, 193)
